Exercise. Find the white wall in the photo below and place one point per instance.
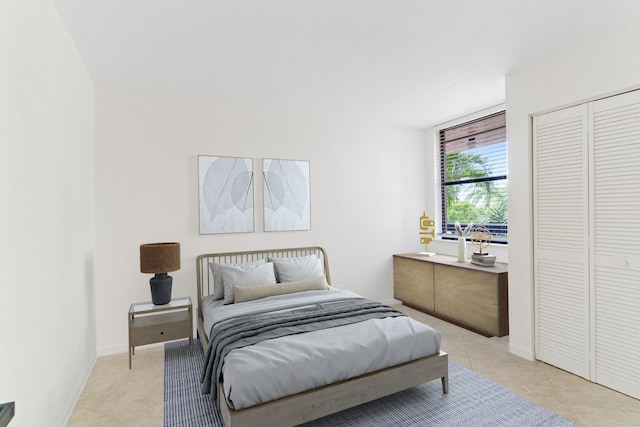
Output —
(368, 189)
(47, 309)
(596, 69)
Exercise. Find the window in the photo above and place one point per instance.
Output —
(473, 169)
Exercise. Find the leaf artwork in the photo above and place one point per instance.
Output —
(287, 204)
(274, 191)
(242, 191)
(286, 185)
(227, 182)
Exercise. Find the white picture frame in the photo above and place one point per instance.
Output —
(287, 196)
(225, 188)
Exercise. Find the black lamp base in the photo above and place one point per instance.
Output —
(161, 288)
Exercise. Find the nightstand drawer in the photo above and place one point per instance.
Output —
(162, 327)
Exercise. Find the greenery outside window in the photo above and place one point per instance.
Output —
(473, 169)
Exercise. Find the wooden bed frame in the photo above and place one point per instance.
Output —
(316, 403)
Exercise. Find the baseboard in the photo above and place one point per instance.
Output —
(525, 353)
(123, 348)
(112, 349)
(79, 392)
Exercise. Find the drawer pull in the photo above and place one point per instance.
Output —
(161, 333)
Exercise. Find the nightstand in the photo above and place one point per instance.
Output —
(149, 323)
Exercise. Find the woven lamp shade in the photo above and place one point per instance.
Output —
(159, 257)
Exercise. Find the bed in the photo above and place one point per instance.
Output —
(422, 360)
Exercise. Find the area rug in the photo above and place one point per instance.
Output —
(472, 401)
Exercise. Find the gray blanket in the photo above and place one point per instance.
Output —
(250, 329)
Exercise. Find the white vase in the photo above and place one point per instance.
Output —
(462, 249)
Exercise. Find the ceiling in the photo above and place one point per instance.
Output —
(415, 63)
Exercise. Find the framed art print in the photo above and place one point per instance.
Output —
(226, 194)
(287, 202)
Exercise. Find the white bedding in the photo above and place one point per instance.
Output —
(279, 367)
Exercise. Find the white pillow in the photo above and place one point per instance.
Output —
(298, 268)
(250, 293)
(218, 285)
(259, 274)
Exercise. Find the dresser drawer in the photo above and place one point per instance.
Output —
(413, 282)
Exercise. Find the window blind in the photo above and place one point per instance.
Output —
(473, 168)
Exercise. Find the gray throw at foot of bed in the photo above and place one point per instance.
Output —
(472, 401)
(250, 329)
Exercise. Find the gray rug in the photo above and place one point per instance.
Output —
(472, 401)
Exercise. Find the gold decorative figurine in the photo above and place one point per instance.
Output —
(480, 237)
(425, 225)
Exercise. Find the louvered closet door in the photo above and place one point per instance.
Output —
(616, 222)
(561, 221)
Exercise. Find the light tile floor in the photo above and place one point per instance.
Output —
(117, 396)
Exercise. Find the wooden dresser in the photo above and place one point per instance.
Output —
(462, 293)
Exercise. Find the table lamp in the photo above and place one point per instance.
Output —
(159, 259)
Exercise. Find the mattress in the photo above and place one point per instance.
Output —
(292, 364)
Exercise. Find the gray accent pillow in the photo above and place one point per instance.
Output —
(297, 268)
(250, 293)
(218, 285)
(260, 274)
